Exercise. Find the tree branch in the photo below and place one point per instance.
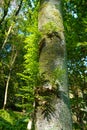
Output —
(11, 26)
(19, 7)
(5, 11)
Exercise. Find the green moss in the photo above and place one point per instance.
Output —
(45, 4)
(51, 27)
(52, 24)
(58, 73)
(58, 7)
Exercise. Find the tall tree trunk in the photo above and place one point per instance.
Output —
(52, 109)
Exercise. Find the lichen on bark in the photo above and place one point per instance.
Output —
(52, 65)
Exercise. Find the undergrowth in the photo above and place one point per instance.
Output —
(10, 120)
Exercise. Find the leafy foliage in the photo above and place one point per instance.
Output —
(30, 72)
(12, 120)
(75, 22)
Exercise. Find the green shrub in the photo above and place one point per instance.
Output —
(10, 120)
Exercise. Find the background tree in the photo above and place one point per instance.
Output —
(6, 45)
(75, 22)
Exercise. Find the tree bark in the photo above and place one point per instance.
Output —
(53, 112)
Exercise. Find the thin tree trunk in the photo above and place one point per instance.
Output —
(6, 90)
(8, 33)
(52, 101)
(13, 58)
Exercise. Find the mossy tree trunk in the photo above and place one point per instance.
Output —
(52, 107)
